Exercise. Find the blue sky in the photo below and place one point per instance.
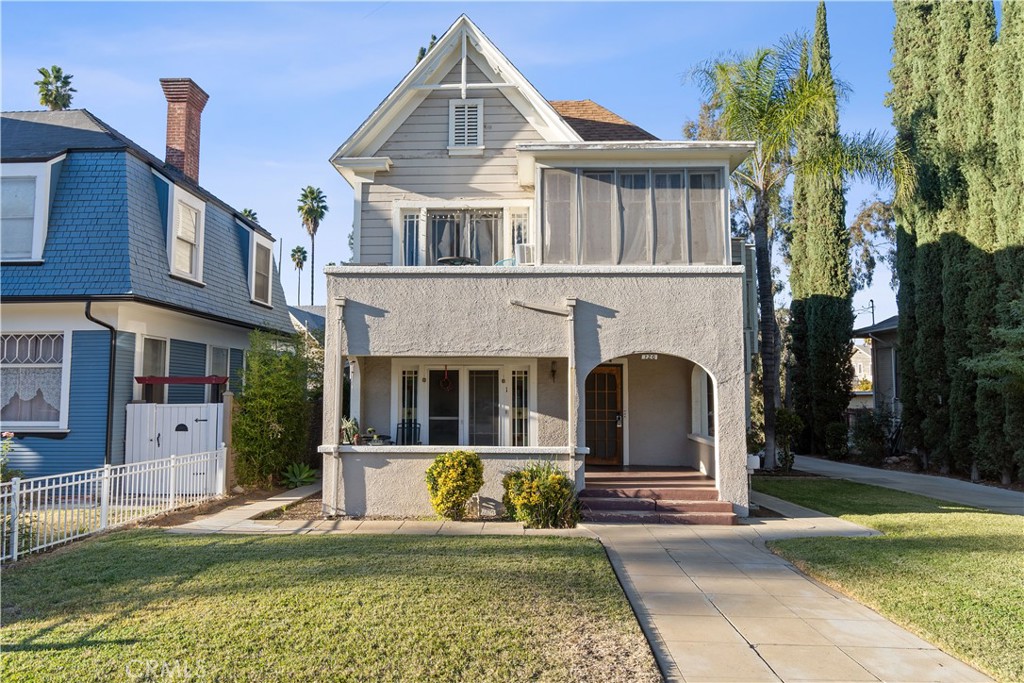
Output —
(288, 82)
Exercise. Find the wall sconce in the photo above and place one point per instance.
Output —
(554, 370)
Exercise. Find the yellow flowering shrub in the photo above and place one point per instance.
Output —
(452, 479)
(541, 496)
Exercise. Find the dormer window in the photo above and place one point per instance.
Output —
(262, 270)
(465, 126)
(188, 217)
(24, 209)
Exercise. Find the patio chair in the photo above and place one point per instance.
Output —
(407, 433)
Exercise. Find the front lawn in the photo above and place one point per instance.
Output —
(147, 605)
(952, 574)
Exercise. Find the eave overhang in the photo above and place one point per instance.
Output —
(659, 151)
(357, 170)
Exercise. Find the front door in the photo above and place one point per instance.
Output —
(443, 418)
(604, 415)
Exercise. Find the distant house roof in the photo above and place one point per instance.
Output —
(594, 123)
(106, 234)
(887, 325)
(42, 135)
(310, 317)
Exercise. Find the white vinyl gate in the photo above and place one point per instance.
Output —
(156, 431)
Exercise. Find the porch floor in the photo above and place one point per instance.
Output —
(668, 495)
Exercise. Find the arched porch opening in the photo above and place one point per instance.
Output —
(650, 411)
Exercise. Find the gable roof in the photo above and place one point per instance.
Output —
(594, 123)
(43, 135)
(312, 318)
(461, 37)
(887, 325)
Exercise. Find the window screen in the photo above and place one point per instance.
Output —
(559, 190)
(261, 285)
(599, 231)
(17, 209)
(707, 234)
(634, 202)
(669, 230)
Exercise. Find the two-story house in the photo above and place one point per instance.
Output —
(532, 280)
(117, 265)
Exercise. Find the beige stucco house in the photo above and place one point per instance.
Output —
(532, 280)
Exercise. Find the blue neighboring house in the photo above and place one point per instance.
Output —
(116, 264)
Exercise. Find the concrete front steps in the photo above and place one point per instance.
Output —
(654, 497)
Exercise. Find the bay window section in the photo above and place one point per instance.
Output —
(633, 217)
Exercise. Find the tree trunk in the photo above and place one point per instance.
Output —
(298, 289)
(766, 301)
(312, 269)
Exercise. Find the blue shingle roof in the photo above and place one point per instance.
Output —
(107, 234)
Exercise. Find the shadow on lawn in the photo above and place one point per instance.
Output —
(143, 570)
(841, 498)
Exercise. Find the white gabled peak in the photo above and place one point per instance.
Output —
(461, 43)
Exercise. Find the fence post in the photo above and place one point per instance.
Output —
(15, 513)
(222, 457)
(105, 497)
(173, 488)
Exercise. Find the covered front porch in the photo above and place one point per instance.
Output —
(636, 411)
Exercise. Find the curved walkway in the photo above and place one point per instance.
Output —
(943, 488)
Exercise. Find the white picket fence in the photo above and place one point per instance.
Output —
(42, 512)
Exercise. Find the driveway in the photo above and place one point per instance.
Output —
(943, 488)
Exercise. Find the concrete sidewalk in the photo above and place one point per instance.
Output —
(943, 488)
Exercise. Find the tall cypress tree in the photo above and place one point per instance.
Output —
(912, 101)
(954, 117)
(799, 386)
(1009, 209)
(989, 445)
(826, 275)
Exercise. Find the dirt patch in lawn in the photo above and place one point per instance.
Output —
(306, 509)
(203, 510)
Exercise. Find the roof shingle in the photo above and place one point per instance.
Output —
(594, 123)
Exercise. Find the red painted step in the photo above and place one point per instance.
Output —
(648, 517)
(660, 493)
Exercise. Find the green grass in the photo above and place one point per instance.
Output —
(323, 608)
(952, 574)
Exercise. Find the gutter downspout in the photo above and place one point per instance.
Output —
(110, 378)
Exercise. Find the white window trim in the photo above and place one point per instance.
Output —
(209, 368)
(175, 195)
(504, 367)
(140, 356)
(269, 244)
(402, 208)
(65, 390)
(699, 426)
(42, 173)
(466, 150)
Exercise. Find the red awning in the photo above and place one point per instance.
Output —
(212, 379)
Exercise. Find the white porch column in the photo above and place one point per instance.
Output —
(573, 397)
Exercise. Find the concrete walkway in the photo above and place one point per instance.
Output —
(714, 603)
(943, 488)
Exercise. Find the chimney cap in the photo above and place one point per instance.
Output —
(182, 90)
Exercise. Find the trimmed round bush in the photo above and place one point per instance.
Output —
(452, 479)
(541, 496)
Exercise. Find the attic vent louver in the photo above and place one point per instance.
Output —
(465, 123)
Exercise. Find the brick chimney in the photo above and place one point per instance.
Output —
(185, 102)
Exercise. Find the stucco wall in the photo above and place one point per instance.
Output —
(552, 402)
(391, 481)
(658, 412)
(690, 312)
(375, 394)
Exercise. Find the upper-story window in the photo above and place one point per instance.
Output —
(633, 216)
(188, 219)
(465, 126)
(262, 270)
(33, 380)
(479, 236)
(24, 209)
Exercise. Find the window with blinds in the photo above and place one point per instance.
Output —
(465, 123)
(261, 277)
(17, 218)
(186, 240)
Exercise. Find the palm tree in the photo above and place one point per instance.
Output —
(299, 259)
(54, 88)
(312, 207)
(765, 98)
(251, 215)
